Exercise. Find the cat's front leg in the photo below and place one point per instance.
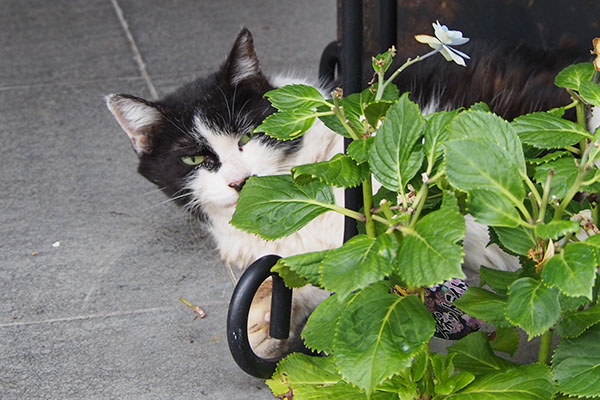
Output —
(304, 301)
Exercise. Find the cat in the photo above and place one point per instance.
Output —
(196, 145)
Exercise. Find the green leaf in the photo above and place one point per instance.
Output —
(290, 278)
(574, 75)
(547, 131)
(382, 61)
(590, 92)
(273, 206)
(490, 209)
(295, 97)
(300, 268)
(571, 304)
(287, 125)
(317, 333)
(527, 382)
(488, 127)
(575, 323)
(358, 150)
(565, 172)
(374, 111)
(483, 305)
(429, 253)
(391, 157)
(297, 370)
(475, 355)
(361, 261)
(378, 334)
(549, 157)
(480, 106)
(497, 279)
(436, 134)
(572, 270)
(340, 171)
(506, 340)
(476, 165)
(518, 240)
(576, 364)
(556, 229)
(532, 306)
(340, 391)
(353, 106)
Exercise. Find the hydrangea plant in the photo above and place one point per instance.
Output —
(434, 169)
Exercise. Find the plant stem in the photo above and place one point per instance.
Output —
(420, 201)
(533, 189)
(368, 204)
(339, 113)
(545, 197)
(545, 347)
(408, 63)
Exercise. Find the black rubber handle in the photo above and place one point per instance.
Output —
(239, 309)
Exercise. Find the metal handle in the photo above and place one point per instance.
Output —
(239, 309)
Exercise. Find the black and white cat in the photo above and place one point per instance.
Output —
(195, 144)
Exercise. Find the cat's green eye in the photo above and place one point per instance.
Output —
(245, 139)
(193, 160)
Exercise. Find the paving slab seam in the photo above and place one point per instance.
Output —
(71, 83)
(136, 51)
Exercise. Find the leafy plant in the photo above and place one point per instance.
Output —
(434, 169)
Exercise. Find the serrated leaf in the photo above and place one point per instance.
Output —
(475, 355)
(287, 125)
(273, 206)
(532, 306)
(488, 127)
(490, 209)
(358, 150)
(391, 157)
(297, 370)
(483, 305)
(475, 165)
(506, 340)
(497, 279)
(565, 172)
(436, 134)
(295, 97)
(556, 229)
(361, 261)
(549, 157)
(590, 92)
(594, 243)
(574, 75)
(378, 334)
(341, 171)
(527, 382)
(317, 333)
(480, 106)
(340, 391)
(547, 131)
(572, 270)
(518, 240)
(300, 267)
(575, 323)
(429, 253)
(576, 364)
(290, 278)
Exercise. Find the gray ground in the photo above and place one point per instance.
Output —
(97, 315)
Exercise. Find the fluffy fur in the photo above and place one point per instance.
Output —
(211, 116)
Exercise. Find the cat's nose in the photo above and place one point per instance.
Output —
(238, 185)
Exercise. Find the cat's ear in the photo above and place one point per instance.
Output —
(242, 62)
(136, 116)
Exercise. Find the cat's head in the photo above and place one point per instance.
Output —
(196, 144)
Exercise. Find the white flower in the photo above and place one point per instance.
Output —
(444, 38)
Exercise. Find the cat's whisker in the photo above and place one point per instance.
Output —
(169, 200)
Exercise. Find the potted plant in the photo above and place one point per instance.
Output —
(374, 331)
